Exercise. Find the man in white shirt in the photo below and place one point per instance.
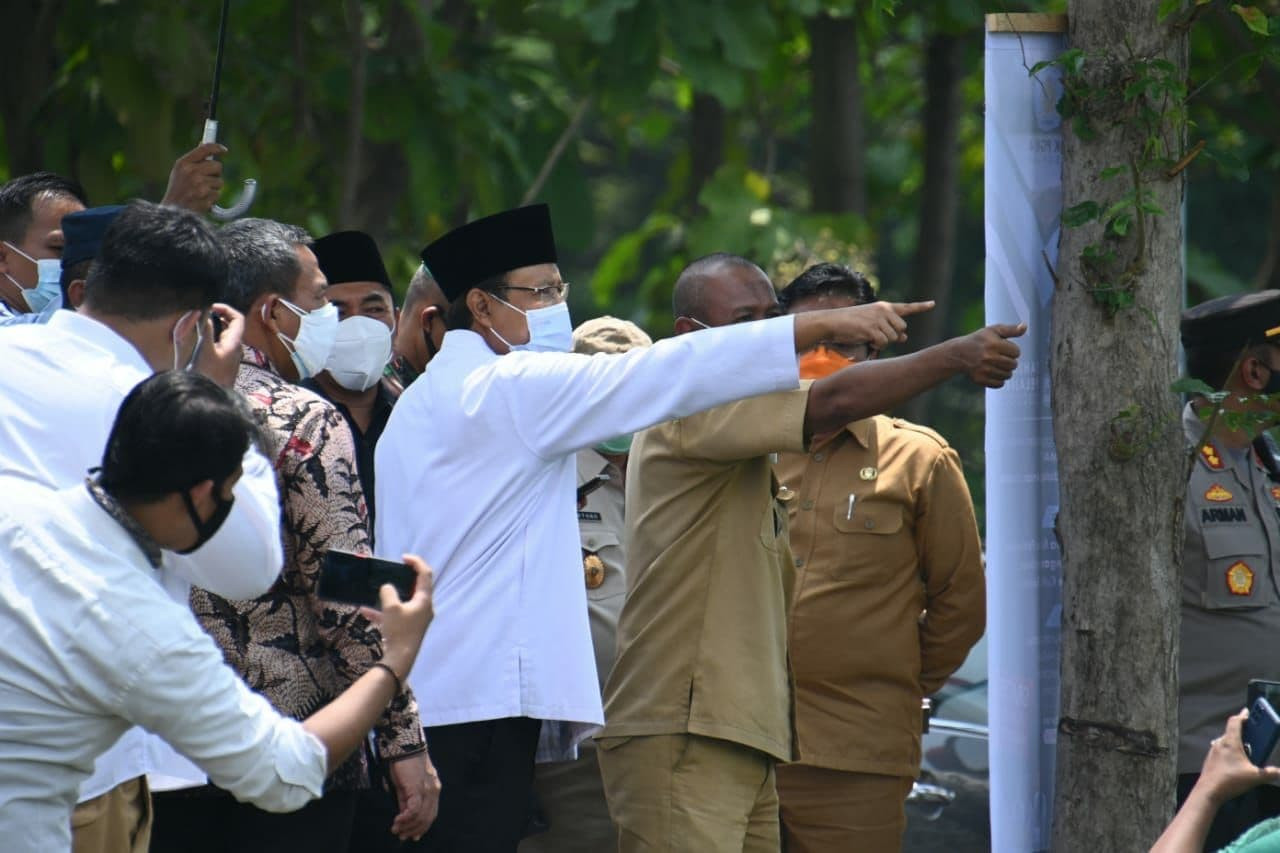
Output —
(90, 643)
(147, 304)
(476, 471)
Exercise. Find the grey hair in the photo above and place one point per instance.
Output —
(262, 258)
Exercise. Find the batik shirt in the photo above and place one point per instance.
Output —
(298, 651)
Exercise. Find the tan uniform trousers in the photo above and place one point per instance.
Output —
(689, 793)
(118, 821)
(834, 811)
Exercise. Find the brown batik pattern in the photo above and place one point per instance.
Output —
(297, 651)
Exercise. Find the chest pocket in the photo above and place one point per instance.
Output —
(601, 570)
(875, 535)
(1237, 568)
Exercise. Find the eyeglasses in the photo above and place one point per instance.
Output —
(548, 294)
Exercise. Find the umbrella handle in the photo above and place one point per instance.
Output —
(241, 205)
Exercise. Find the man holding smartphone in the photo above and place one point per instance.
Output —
(1231, 556)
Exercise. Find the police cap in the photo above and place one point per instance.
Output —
(1231, 322)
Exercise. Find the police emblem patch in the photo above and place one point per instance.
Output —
(869, 473)
(1240, 578)
(1218, 494)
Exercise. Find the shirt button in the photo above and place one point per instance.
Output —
(591, 543)
(807, 505)
(819, 456)
(799, 562)
(870, 524)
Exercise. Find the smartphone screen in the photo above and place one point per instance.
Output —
(355, 579)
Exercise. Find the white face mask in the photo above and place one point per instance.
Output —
(317, 331)
(550, 329)
(48, 273)
(360, 352)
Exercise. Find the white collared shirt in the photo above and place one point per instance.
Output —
(476, 473)
(89, 644)
(60, 389)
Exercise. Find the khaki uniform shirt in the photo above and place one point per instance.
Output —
(883, 531)
(1230, 607)
(702, 636)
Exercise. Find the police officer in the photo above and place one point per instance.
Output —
(1231, 557)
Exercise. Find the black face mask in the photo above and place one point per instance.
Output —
(206, 529)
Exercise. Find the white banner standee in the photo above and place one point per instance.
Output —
(1023, 201)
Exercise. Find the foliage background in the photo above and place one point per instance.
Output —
(658, 130)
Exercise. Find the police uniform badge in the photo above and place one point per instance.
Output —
(1240, 578)
(593, 570)
(1218, 494)
(869, 473)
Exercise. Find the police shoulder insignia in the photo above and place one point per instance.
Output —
(1240, 578)
(1218, 494)
(593, 570)
(1211, 457)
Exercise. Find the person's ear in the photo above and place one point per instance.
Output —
(201, 492)
(478, 305)
(75, 293)
(1253, 372)
(426, 315)
(269, 311)
(684, 325)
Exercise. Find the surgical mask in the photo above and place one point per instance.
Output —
(361, 351)
(615, 446)
(550, 329)
(48, 274)
(821, 362)
(195, 351)
(206, 529)
(317, 332)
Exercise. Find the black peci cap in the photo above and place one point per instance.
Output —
(496, 244)
(346, 256)
(1231, 322)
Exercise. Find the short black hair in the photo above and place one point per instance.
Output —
(262, 257)
(828, 280)
(156, 260)
(458, 315)
(175, 430)
(687, 298)
(18, 196)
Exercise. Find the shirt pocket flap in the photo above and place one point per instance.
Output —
(595, 540)
(869, 516)
(1230, 541)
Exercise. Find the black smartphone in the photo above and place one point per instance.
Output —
(591, 485)
(1261, 731)
(218, 325)
(355, 579)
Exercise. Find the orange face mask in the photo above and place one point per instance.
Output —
(821, 362)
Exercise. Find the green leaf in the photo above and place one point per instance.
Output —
(1254, 18)
(1189, 385)
(1168, 7)
(1120, 224)
(1080, 214)
(1111, 171)
(1040, 66)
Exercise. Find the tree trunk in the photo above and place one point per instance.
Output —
(27, 68)
(351, 172)
(706, 144)
(837, 141)
(936, 239)
(1121, 466)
